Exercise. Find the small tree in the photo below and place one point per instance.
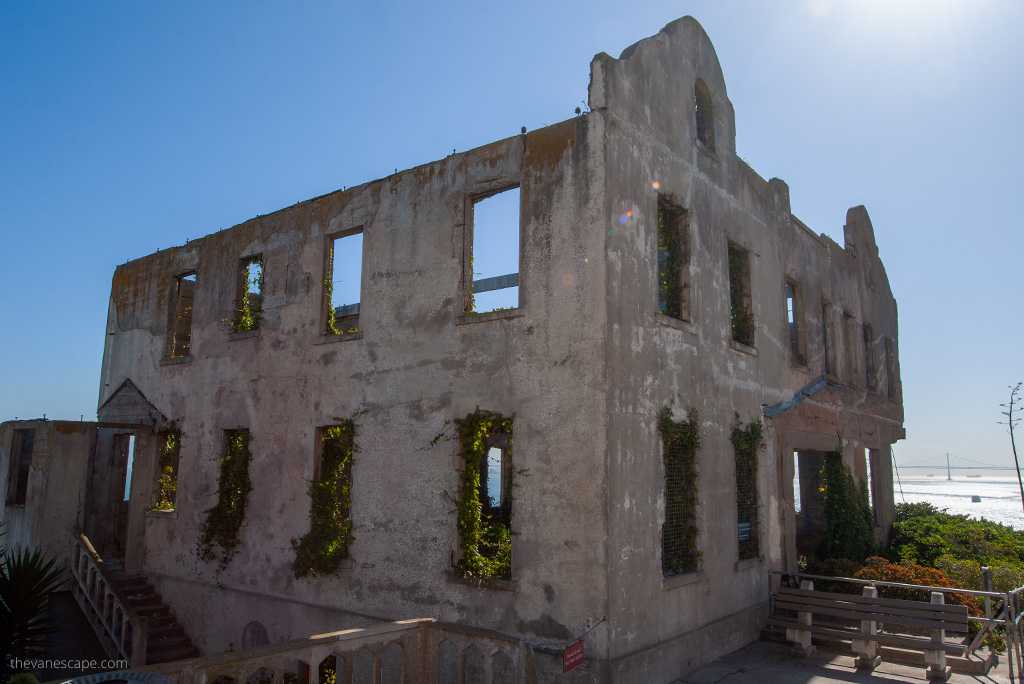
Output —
(1011, 422)
(27, 582)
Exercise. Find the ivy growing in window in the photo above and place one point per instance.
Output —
(250, 297)
(680, 442)
(219, 534)
(167, 475)
(747, 441)
(673, 259)
(321, 550)
(484, 522)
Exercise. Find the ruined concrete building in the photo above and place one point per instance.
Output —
(529, 469)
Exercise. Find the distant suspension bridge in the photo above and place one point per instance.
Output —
(951, 462)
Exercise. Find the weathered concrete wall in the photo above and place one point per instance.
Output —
(417, 361)
(646, 100)
(56, 485)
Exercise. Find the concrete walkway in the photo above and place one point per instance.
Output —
(766, 662)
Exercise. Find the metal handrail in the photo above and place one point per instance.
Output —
(899, 585)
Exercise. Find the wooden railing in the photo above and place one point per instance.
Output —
(406, 652)
(1005, 613)
(122, 632)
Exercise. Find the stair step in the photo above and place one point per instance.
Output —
(158, 622)
(167, 639)
(153, 610)
(137, 600)
(171, 656)
(170, 644)
(124, 580)
(166, 631)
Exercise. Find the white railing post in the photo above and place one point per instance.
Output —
(867, 649)
(108, 610)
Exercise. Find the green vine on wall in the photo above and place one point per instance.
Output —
(250, 301)
(680, 440)
(485, 538)
(331, 327)
(747, 442)
(167, 479)
(739, 298)
(219, 534)
(671, 288)
(321, 550)
(849, 521)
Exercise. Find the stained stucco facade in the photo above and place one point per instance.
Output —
(585, 363)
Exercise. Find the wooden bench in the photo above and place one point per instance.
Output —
(871, 612)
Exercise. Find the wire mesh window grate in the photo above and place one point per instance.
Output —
(680, 441)
(746, 504)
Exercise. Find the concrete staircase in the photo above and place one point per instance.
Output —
(167, 639)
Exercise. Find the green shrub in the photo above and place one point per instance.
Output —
(923, 533)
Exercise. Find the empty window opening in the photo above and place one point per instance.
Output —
(680, 442)
(22, 446)
(128, 471)
(673, 259)
(794, 314)
(796, 482)
(808, 502)
(705, 115)
(493, 491)
(181, 331)
(870, 480)
(742, 317)
(494, 256)
(167, 470)
(493, 476)
(828, 338)
(869, 359)
(890, 368)
(249, 303)
(343, 283)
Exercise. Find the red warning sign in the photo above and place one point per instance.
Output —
(572, 656)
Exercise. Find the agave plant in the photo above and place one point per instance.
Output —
(27, 581)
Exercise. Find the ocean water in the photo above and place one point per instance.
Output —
(1000, 494)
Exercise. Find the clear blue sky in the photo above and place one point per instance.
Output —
(130, 126)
